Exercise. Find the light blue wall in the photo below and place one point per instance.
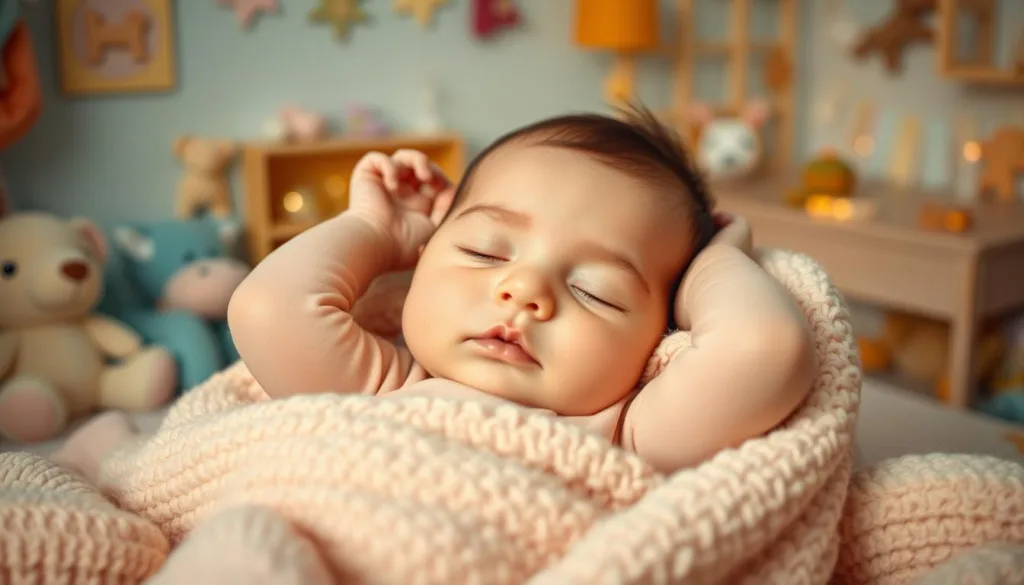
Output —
(110, 158)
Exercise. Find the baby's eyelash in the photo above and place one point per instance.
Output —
(480, 255)
(589, 297)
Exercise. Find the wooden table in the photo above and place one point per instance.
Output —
(964, 279)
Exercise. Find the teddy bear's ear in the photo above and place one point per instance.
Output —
(180, 144)
(92, 236)
(134, 243)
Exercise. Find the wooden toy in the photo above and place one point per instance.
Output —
(204, 185)
(906, 25)
(1002, 160)
(321, 171)
(945, 217)
(422, 10)
(342, 15)
(106, 47)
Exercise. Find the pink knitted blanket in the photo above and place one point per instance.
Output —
(411, 490)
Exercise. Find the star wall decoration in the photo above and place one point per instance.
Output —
(246, 11)
(422, 10)
(340, 14)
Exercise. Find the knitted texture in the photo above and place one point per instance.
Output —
(55, 528)
(414, 490)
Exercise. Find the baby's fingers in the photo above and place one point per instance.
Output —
(378, 164)
(425, 171)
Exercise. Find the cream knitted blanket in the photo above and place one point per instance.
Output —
(433, 491)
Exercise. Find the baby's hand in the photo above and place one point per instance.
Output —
(733, 231)
(403, 195)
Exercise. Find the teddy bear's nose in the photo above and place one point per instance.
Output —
(75, 270)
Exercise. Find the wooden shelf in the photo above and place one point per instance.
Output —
(321, 170)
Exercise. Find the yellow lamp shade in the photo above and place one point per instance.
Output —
(617, 25)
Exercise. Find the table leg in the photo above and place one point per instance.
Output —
(963, 341)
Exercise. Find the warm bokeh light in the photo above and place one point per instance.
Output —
(972, 151)
(864, 145)
(293, 202)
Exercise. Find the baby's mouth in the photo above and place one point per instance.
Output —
(507, 345)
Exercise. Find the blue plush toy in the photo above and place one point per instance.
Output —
(185, 273)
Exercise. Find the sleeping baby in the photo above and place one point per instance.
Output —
(545, 278)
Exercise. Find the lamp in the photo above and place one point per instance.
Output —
(626, 27)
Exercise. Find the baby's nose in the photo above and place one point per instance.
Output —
(528, 294)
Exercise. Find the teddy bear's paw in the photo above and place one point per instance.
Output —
(31, 410)
(85, 448)
(144, 382)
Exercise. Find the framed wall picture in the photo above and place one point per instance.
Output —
(115, 46)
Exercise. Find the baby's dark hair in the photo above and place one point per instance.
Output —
(634, 142)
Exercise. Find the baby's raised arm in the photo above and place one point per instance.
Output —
(291, 318)
(750, 365)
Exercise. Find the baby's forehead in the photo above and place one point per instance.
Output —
(515, 164)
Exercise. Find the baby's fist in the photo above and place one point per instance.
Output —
(404, 195)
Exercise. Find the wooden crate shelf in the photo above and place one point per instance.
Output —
(321, 169)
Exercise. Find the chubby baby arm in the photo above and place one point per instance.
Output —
(291, 318)
(751, 363)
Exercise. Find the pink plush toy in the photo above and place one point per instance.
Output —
(297, 124)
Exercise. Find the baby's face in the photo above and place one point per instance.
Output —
(548, 285)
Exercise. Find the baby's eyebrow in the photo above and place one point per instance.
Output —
(499, 213)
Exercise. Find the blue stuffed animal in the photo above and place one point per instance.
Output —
(184, 271)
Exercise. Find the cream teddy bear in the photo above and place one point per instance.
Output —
(57, 360)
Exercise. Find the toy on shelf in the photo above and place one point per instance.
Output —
(296, 124)
(422, 10)
(906, 25)
(729, 147)
(917, 348)
(204, 186)
(1002, 160)
(362, 122)
(58, 359)
(824, 175)
(750, 57)
(947, 217)
(184, 272)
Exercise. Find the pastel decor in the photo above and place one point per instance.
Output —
(115, 46)
(624, 27)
